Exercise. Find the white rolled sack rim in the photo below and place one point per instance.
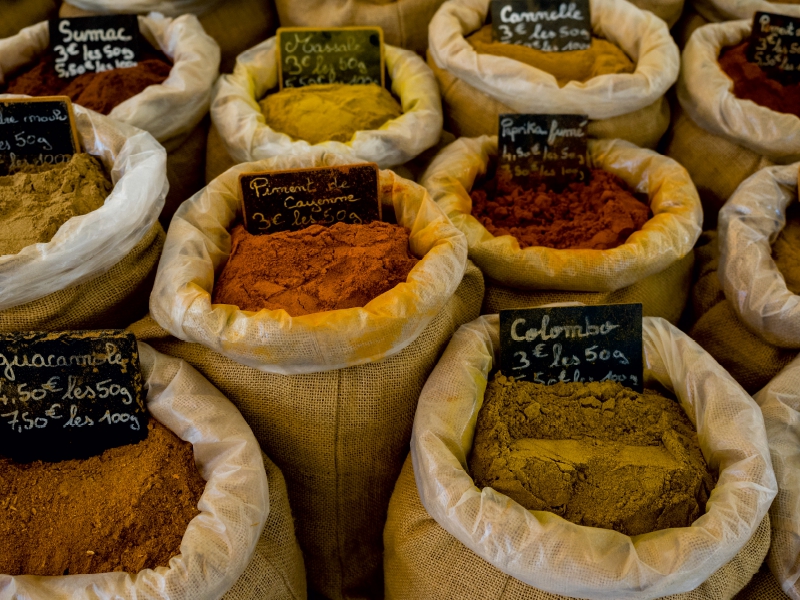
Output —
(247, 137)
(169, 110)
(780, 405)
(171, 8)
(731, 10)
(749, 223)
(549, 553)
(87, 246)
(664, 239)
(706, 94)
(220, 541)
(526, 89)
(198, 245)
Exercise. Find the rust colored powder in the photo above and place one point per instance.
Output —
(97, 91)
(599, 215)
(751, 83)
(315, 269)
(124, 510)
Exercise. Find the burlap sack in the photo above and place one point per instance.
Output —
(745, 315)
(720, 139)
(780, 405)
(715, 556)
(763, 586)
(245, 136)
(172, 111)
(236, 25)
(476, 88)
(653, 267)
(331, 395)
(236, 512)
(404, 22)
(98, 269)
(18, 14)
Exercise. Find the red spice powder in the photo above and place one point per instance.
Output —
(599, 215)
(751, 83)
(97, 91)
(315, 269)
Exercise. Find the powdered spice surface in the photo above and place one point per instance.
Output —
(600, 214)
(602, 58)
(751, 83)
(124, 510)
(330, 112)
(36, 200)
(597, 454)
(315, 269)
(786, 250)
(98, 91)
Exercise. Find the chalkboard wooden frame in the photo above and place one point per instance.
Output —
(372, 29)
(76, 143)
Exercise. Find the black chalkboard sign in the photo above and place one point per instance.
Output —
(37, 130)
(351, 55)
(546, 25)
(94, 44)
(543, 148)
(69, 394)
(573, 343)
(296, 199)
(775, 46)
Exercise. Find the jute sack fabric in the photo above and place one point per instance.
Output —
(245, 135)
(98, 269)
(404, 22)
(219, 543)
(720, 139)
(763, 586)
(18, 14)
(235, 25)
(330, 396)
(171, 111)
(780, 405)
(654, 266)
(476, 88)
(547, 552)
(745, 313)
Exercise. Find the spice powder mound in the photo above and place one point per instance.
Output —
(315, 269)
(98, 91)
(599, 215)
(751, 83)
(126, 509)
(786, 250)
(602, 58)
(597, 454)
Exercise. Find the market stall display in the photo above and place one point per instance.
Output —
(653, 266)
(743, 301)
(476, 87)
(97, 267)
(330, 395)
(167, 93)
(720, 138)
(447, 538)
(247, 109)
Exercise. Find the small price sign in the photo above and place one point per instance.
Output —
(775, 46)
(543, 148)
(296, 199)
(37, 130)
(70, 394)
(573, 343)
(94, 44)
(351, 55)
(546, 25)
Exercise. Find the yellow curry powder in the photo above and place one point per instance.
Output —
(603, 58)
(331, 112)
